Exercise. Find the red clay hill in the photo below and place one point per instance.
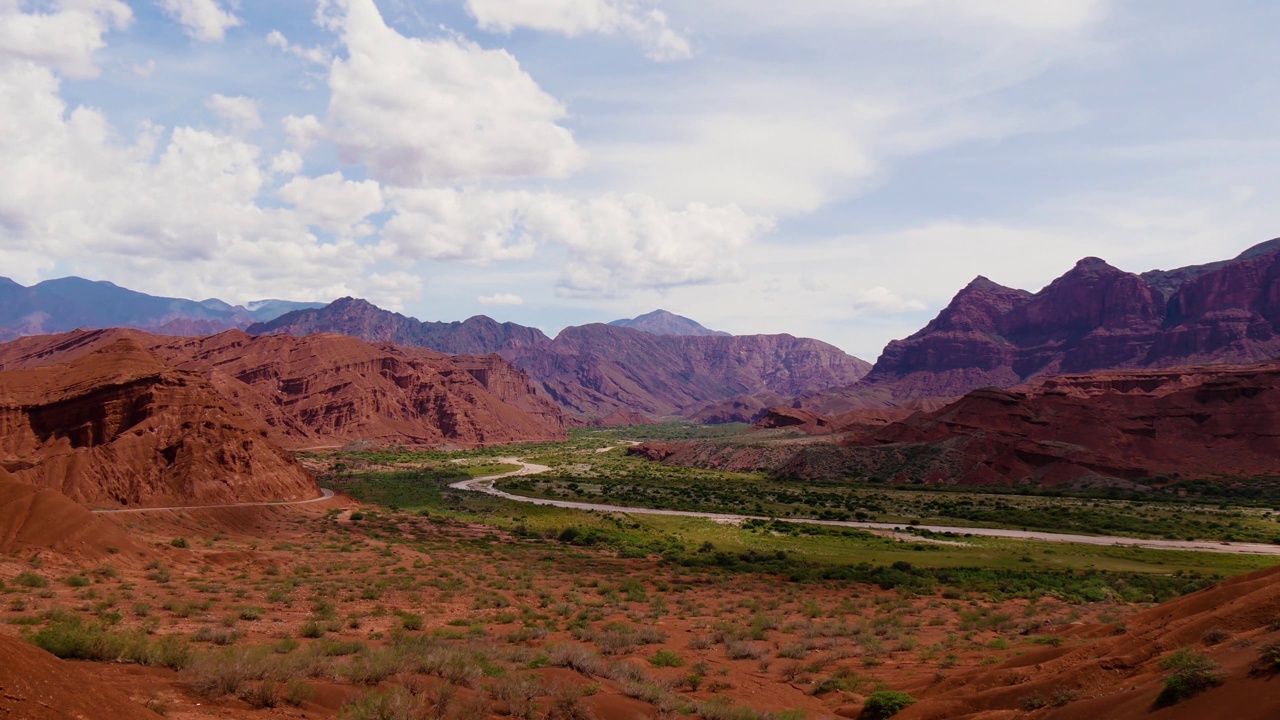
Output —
(330, 389)
(1107, 429)
(121, 426)
(1095, 317)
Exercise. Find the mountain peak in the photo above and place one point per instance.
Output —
(662, 322)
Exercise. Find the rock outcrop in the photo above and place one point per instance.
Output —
(333, 389)
(1094, 317)
(120, 426)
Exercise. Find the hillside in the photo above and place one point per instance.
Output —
(330, 390)
(1094, 317)
(597, 370)
(119, 426)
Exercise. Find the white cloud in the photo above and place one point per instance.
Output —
(615, 243)
(287, 162)
(500, 299)
(315, 55)
(633, 18)
(204, 20)
(240, 113)
(880, 299)
(170, 213)
(433, 112)
(334, 204)
(65, 37)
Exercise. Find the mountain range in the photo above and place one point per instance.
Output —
(597, 370)
(1094, 317)
(661, 322)
(71, 303)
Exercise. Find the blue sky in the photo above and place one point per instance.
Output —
(830, 168)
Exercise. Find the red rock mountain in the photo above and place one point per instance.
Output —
(596, 370)
(331, 389)
(1105, 428)
(479, 335)
(121, 426)
(1121, 428)
(1095, 317)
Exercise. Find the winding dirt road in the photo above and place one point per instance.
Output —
(325, 494)
(485, 485)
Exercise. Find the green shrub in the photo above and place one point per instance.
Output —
(70, 637)
(1192, 673)
(178, 542)
(31, 580)
(885, 704)
(666, 658)
(76, 581)
(297, 692)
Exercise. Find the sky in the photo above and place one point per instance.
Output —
(835, 169)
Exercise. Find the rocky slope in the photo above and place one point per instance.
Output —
(1115, 671)
(1094, 317)
(594, 370)
(479, 335)
(69, 303)
(1123, 429)
(121, 426)
(661, 322)
(331, 389)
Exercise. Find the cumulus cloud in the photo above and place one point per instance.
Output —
(500, 299)
(171, 212)
(423, 112)
(883, 300)
(615, 243)
(333, 203)
(65, 37)
(240, 113)
(632, 18)
(204, 20)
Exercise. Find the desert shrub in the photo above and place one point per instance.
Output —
(179, 542)
(666, 658)
(265, 694)
(394, 704)
(1215, 636)
(76, 581)
(410, 621)
(576, 657)
(70, 637)
(885, 704)
(311, 629)
(1192, 673)
(566, 704)
(297, 692)
(219, 674)
(1269, 657)
(373, 666)
(31, 580)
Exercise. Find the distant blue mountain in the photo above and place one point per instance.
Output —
(68, 303)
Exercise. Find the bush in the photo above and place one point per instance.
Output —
(297, 692)
(885, 704)
(178, 542)
(393, 704)
(31, 580)
(70, 637)
(76, 581)
(1193, 673)
(665, 658)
